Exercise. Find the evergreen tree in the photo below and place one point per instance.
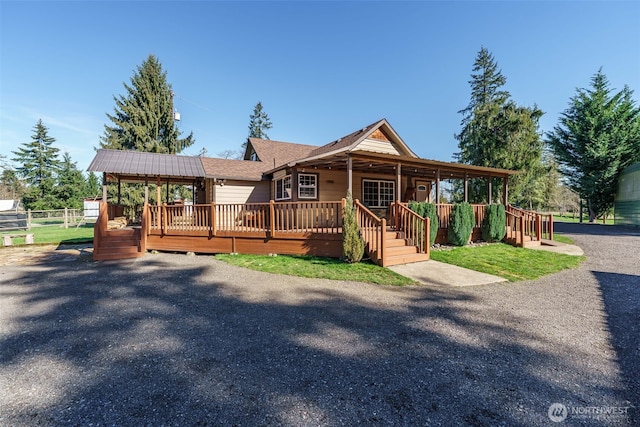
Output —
(71, 185)
(38, 166)
(597, 137)
(352, 242)
(259, 124)
(496, 132)
(143, 119)
(11, 186)
(93, 186)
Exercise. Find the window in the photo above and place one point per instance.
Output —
(307, 186)
(283, 188)
(377, 194)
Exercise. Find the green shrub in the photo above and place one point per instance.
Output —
(461, 224)
(494, 223)
(352, 243)
(425, 209)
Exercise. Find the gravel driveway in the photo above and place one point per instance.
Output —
(171, 339)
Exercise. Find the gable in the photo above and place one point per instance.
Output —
(379, 142)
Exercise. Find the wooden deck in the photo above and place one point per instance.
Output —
(293, 228)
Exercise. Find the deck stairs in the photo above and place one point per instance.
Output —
(400, 250)
(122, 243)
(528, 241)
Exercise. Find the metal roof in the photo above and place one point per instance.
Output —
(138, 163)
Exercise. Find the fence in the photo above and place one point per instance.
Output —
(64, 217)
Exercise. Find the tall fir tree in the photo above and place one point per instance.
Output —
(143, 118)
(38, 166)
(499, 133)
(71, 185)
(597, 136)
(259, 124)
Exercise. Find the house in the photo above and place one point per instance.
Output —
(287, 198)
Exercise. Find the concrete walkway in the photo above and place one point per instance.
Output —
(435, 273)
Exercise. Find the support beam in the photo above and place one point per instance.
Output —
(167, 190)
(159, 202)
(104, 187)
(505, 190)
(489, 189)
(398, 181)
(350, 175)
(437, 186)
(146, 190)
(119, 191)
(466, 187)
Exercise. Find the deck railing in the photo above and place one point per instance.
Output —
(444, 213)
(373, 231)
(240, 218)
(413, 226)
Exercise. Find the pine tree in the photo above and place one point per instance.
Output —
(496, 132)
(597, 137)
(71, 185)
(259, 124)
(38, 166)
(143, 119)
(92, 188)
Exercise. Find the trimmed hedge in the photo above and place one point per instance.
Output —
(494, 225)
(425, 209)
(461, 224)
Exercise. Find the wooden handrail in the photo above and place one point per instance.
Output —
(372, 230)
(412, 225)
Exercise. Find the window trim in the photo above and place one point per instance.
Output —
(378, 181)
(281, 180)
(314, 186)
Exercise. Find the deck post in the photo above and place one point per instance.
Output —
(164, 219)
(437, 201)
(272, 218)
(383, 236)
(427, 235)
(489, 190)
(214, 220)
(539, 227)
(398, 181)
(146, 190)
(550, 226)
(349, 175)
(466, 187)
(505, 190)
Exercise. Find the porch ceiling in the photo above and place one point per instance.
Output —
(386, 164)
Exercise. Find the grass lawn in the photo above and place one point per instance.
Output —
(55, 234)
(562, 239)
(507, 261)
(318, 267)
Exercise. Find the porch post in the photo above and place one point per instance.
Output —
(146, 190)
(505, 190)
(466, 187)
(294, 184)
(489, 189)
(119, 190)
(349, 174)
(104, 187)
(399, 181)
(167, 190)
(437, 186)
(159, 201)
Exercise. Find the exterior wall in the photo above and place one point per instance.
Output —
(233, 192)
(627, 204)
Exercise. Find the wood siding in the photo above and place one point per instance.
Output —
(233, 192)
(377, 146)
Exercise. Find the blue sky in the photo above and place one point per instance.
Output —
(321, 69)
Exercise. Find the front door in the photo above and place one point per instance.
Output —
(423, 189)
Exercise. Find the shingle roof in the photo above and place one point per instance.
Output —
(128, 162)
(277, 153)
(344, 142)
(234, 169)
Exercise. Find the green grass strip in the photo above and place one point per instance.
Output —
(507, 261)
(318, 267)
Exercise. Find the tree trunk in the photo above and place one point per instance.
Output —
(592, 213)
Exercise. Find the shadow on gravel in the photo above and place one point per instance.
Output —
(158, 341)
(621, 296)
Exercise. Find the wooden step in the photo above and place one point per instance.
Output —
(401, 250)
(390, 243)
(405, 259)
